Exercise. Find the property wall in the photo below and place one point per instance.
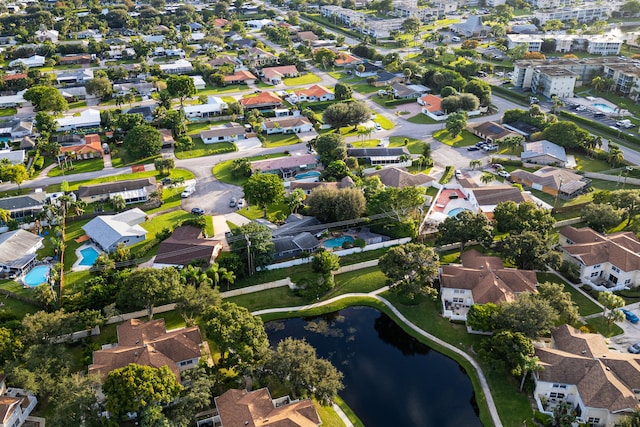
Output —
(612, 178)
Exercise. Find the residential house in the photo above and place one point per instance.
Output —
(346, 60)
(224, 60)
(185, 246)
(612, 260)
(385, 78)
(73, 94)
(554, 181)
(73, 77)
(275, 75)
(400, 178)
(240, 408)
(146, 111)
(18, 252)
(220, 22)
(370, 70)
(240, 77)
(14, 78)
(480, 280)
(149, 344)
(140, 88)
(199, 82)
(485, 198)
(31, 62)
(262, 101)
(25, 206)
(258, 23)
(432, 107)
(88, 118)
(89, 148)
(398, 156)
(286, 166)
(88, 34)
(403, 91)
(286, 125)
(167, 138)
(15, 157)
(580, 370)
(27, 143)
(44, 35)
(295, 236)
(16, 404)
(544, 152)
(108, 231)
(257, 57)
(215, 106)
(306, 36)
(315, 93)
(20, 129)
(491, 131)
(75, 59)
(181, 66)
(9, 101)
(308, 187)
(229, 132)
(132, 190)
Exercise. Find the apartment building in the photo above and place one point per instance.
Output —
(592, 43)
(583, 14)
(626, 77)
(553, 81)
(366, 24)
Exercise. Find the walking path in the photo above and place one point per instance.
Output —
(347, 422)
(493, 411)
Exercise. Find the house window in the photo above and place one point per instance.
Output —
(596, 266)
(594, 274)
(559, 386)
(616, 269)
(613, 279)
(593, 421)
(554, 395)
(626, 282)
(459, 291)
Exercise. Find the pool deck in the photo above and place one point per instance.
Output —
(445, 203)
(589, 103)
(76, 265)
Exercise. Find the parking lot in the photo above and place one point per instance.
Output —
(631, 333)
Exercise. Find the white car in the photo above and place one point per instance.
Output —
(458, 174)
(240, 204)
(490, 147)
(187, 192)
(503, 173)
(377, 126)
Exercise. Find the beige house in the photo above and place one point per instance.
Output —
(480, 280)
(601, 385)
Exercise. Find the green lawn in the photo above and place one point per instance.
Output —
(200, 149)
(209, 227)
(465, 139)
(277, 210)
(364, 280)
(222, 171)
(73, 186)
(78, 104)
(112, 101)
(80, 166)
(384, 122)
(120, 158)
(600, 325)
(422, 119)
(194, 128)
(280, 140)
(307, 79)
(366, 143)
(415, 146)
(364, 88)
(6, 112)
(277, 297)
(212, 90)
(586, 307)
(167, 220)
(170, 199)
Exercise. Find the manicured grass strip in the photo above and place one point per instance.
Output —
(422, 119)
(6, 112)
(328, 416)
(415, 146)
(600, 325)
(281, 140)
(168, 220)
(364, 88)
(307, 79)
(384, 122)
(200, 149)
(222, 171)
(79, 166)
(364, 280)
(271, 298)
(348, 412)
(276, 210)
(465, 138)
(209, 228)
(73, 186)
(586, 307)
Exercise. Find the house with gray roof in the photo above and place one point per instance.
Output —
(18, 252)
(108, 231)
(398, 156)
(296, 235)
(131, 190)
(554, 181)
(544, 152)
(27, 205)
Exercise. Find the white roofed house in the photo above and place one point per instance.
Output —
(199, 82)
(15, 157)
(108, 231)
(15, 405)
(229, 132)
(79, 76)
(544, 152)
(215, 106)
(87, 119)
(31, 62)
(132, 190)
(177, 67)
(286, 125)
(18, 252)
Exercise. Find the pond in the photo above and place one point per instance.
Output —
(390, 378)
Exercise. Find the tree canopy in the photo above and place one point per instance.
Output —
(331, 147)
(331, 204)
(181, 87)
(411, 269)
(346, 114)
(465, 227)
(143, 141)
(528, 314)
(512, 217)
(149, 287)
(263, 189)
(46, 98)
(261, 247)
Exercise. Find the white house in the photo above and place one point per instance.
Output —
(611, 261)
(9, 101)
(600, 385)
(18, 251)
(44, 35)
(214, 107)
(88, 118)
(107, 231)
(199, 82)
(15, 404)
(180, 66)
(31, 62)
(286, 125)
(315, 93)
(15, 157)
(82, 75)
(228, 132)
(544, 152)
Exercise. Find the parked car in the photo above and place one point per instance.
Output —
(473, 148)
(497, 166)
(631, 317)
(503, 173)
(166, 181)
(197, 211)
(232, 202)
(634, 348)
(481, 144)
(377, 126)
(458, 174)
(187, 192)
(240, 204)
(490, 147)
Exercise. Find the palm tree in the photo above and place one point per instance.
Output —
(362, 131)
(476, 163)
(5, 216)
(556, 104)
(79, 207)
(118, 203)
(214, 272)
(486, 178)
(229, 277)
(407, 74)
(597, 83)
(615, 155)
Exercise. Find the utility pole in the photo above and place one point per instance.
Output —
(555, 205)
(249, 257)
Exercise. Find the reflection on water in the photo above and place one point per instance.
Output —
(390, 378)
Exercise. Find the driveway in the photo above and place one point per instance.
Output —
(213, 196)
(631, 333)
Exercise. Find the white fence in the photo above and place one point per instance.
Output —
(614, 178)
(342, 252)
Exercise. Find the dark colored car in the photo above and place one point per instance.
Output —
(166, 181)
(634, 348)
(631, 317)
(197, 211)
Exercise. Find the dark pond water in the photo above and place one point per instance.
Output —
(390, 378)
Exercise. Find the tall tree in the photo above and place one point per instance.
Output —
(601, 217)
(515, 218)
(465, 227)
(194, 301)
(398, 203)
(295, 199)
(99, 86)
(239, 335)
(612, 303)
(149, 287)
(135, 388)
(528, 314)
(456, 122)
(560, 300)
(263, 189)
(528, 250)
(331, 204)
(411, 269)
(46, 98)
(252, 242)
(74, 401)
(143, 141)
(330, 147)
(181, 87)
(343, 91)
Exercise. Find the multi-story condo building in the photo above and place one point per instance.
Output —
(364, 23)
(592, 43)
(583, 14)
(626, 77)
(552, 81)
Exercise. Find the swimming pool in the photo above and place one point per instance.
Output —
(310, 174)
(89, 255)
(337, 242)
(37, 276)
(604, 108)
(456, 211)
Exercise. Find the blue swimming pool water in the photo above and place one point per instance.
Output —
(337, 242)
(311, 174)
(604, 108)
(37, 276)
(456, 211)
(89, 256)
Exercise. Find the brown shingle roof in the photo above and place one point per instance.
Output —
(186, 245)
(115, 187)
(487, 278)
(620, 249)
(395, 177)
(494, 194)
(149, 344)
(239, 408)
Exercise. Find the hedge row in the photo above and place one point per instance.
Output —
(324, 21)
(510, 93)
(599, 126)
(399, 101)
(448, 173)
